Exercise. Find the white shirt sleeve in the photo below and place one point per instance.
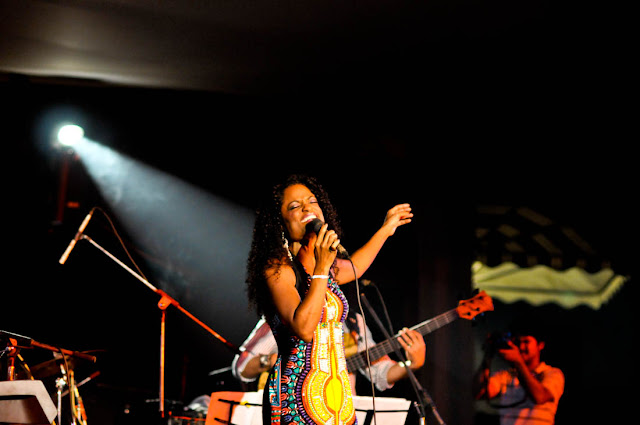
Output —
(260, 341)
(380, 367)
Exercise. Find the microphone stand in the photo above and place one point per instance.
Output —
(423, 395)
(163, 304)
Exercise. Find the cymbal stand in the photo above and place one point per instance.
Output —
(11, 350)
(75, 401)
(163, 304)
(60, 383)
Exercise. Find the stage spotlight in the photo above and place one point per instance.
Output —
(70, 134)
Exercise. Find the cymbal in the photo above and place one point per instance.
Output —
(51, 367)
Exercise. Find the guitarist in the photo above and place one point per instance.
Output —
(260, 352)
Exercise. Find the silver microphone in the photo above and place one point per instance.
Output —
(75, 239)
(315, 225)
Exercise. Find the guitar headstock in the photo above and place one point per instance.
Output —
(468, 309)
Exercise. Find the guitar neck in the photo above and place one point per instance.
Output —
(359, 360)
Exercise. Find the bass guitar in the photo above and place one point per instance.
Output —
(467, 309)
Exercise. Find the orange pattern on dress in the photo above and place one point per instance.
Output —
(326, 389)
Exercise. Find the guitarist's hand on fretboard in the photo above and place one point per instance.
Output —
(415, 349)
(413, 343)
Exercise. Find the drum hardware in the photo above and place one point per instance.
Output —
(20, 342)
(11, 351)
(60, 384)
(62, 363)
(52, 367)
(77, 406)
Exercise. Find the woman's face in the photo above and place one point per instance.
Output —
(299, 207)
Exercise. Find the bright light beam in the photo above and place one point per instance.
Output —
(197, 243)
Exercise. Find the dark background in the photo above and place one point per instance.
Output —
(487, 104)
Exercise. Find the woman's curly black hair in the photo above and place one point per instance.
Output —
(267, 247)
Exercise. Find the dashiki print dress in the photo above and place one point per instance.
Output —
(309, 383)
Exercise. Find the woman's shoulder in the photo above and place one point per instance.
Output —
(278, 270)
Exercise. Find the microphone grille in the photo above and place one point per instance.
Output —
(314, 225)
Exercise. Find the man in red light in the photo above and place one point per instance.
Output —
(528, 392)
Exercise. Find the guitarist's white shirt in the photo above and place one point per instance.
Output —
(261, 341)
(379, 368)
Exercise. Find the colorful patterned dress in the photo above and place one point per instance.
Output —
(309, 384)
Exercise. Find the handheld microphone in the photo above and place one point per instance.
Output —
(75, 239)
(315, 225)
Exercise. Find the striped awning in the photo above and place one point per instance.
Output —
(523, 255)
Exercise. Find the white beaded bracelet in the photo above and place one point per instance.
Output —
(320, 276)
(405, 364)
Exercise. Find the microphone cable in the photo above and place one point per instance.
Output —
(366, 342)
(124, 246)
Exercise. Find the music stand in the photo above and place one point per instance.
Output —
(26, 402)
(235, 408)
(389, 410)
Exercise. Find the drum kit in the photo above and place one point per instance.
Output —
(27, 393)
(50, 391)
